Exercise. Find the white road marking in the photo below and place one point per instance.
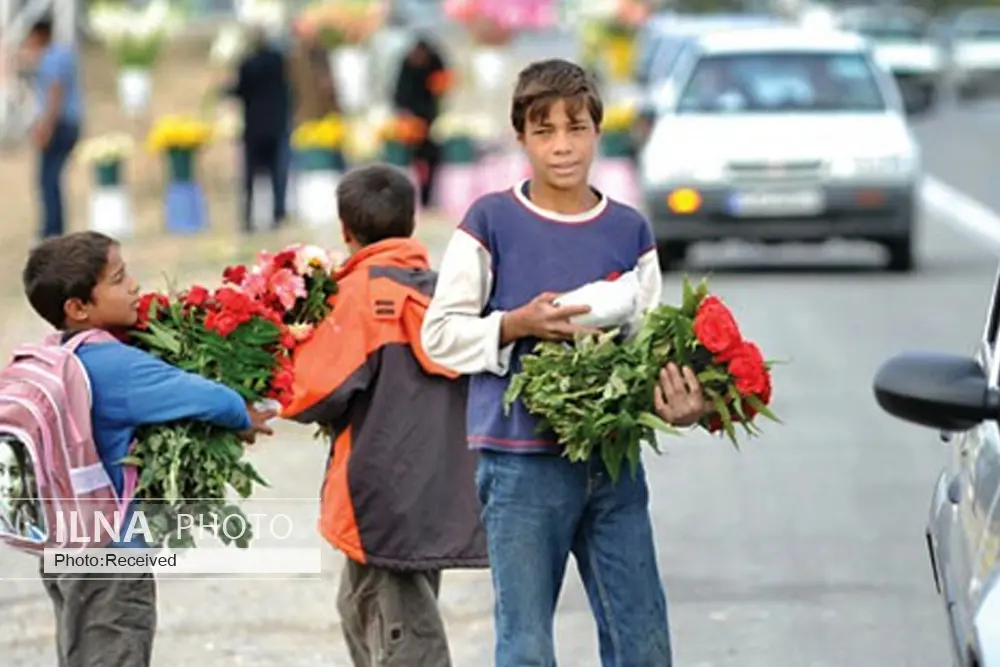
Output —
(961, 211)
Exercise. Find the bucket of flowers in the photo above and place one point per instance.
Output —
(179, 138)
(110, 208)
(135, 38)
(319, 159)
(460, 136)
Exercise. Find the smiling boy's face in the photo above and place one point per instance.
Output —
(113, 304)
(560, 144)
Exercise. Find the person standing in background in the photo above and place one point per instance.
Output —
(57, 127)
(263, 89)
(313, 93)
(421, 82)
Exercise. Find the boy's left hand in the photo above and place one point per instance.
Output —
(678, 399)
(258, 423)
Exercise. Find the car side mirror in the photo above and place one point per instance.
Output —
(941, 391)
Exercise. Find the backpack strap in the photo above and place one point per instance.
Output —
(88, 336)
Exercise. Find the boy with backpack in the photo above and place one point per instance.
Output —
(398, 497)
(502, 272)
(77, 401)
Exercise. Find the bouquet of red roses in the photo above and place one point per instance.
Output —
(596, 394)
(240, 334)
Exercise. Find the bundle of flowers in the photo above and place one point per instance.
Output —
(320, 143)
(399, 136)
(105, 154)
(459, 134)
(106, 149)
(597, 394)
(134, 36)
(485, 28)
(229, 45)
(339, 23)
(181, 133)
(616, 130)
(242, 335)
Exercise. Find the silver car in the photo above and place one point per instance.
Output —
(960, 397)
(781, 135)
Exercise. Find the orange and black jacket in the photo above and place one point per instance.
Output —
(399, 490)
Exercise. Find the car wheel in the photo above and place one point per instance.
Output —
(672, 254)
(901, 259)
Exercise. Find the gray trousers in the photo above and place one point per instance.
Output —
(391, 618)
(102, 622)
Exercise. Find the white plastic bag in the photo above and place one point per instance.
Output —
(613, 303)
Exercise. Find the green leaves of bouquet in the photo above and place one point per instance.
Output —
(596, 394)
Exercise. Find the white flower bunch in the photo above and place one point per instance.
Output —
(456, 125)
(106, 149)
(134, 36)
(229, 45)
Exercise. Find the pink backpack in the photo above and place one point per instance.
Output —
(54, 490)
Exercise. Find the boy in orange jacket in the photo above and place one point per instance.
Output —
(399, 497)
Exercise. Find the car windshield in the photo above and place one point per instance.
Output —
(780, 83)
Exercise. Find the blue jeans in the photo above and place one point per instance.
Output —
(53, 161)
(537, 510)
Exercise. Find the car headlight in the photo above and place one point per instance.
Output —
(986, 620)
(881, 165)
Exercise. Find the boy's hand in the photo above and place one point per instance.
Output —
(258, 423)
(678, 399)
(541, 318)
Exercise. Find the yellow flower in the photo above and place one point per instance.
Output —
(178, 132)
(327, 133)
(619, 118)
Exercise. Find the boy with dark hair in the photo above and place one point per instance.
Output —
(77, 283)
(60, 113)
(398, 497)
(512, 255)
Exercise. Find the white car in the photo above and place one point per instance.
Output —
(782, 135)
(973, 37)
(905, 44)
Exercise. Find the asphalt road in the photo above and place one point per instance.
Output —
(805, 549)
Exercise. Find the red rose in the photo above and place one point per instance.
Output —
(746, 365)
(150, 306)
(288, 341)
(715, 327)
(222, 323)
(196, 296)
(235, 274)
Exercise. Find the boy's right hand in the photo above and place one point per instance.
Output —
(541, 318)
(258, 423)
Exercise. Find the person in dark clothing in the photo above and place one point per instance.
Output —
(417, 94)
(263, 88)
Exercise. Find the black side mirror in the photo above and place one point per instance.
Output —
(941, 391)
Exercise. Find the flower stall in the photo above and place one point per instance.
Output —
(135, 39)
(319, 161)
(614, 171)
(459, 180)
(178, 139)
(110, 204)
(344, 28)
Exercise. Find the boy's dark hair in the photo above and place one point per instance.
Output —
(42, 28)
(377, 202)
(541, 84)
(64, 268)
